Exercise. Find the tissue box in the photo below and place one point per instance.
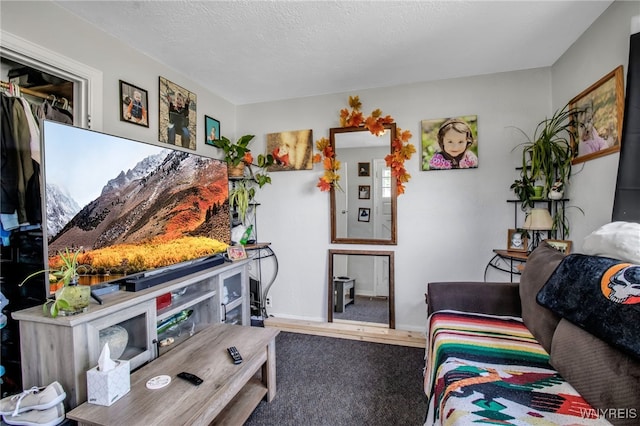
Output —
(106, 387)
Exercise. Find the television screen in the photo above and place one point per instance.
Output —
(130, 206)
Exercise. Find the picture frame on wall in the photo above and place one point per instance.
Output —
(212, 130)
(364, 192)
(364, 169)
(177, 115)
(517, 241)
(134, 104)
(449, 143)
(599, 113)
(364, 214)
(563, 246)
(292, 150)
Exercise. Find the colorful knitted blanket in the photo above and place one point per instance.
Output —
(483, 369)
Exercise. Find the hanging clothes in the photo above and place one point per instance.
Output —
(20, 186)
(54, 114)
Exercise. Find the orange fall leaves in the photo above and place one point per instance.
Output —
(402, 150)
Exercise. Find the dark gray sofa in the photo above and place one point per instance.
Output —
(607, 378)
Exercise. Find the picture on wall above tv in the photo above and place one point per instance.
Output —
(129, 206)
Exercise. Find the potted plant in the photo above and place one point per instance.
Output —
(71, 298)
(241, 195)
(546, 157)
(235, 154)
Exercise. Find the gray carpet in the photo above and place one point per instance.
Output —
(365, 308)
(330, 381)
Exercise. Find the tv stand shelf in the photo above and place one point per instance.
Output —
(64, 348)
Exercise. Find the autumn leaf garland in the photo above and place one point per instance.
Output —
(402, 150)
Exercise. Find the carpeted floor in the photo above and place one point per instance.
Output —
(330, 381)
(367, 309)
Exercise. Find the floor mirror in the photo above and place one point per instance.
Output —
(361, 287)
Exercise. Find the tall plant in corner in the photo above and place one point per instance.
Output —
(546, 157)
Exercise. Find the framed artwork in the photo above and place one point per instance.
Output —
(292, 150)
(364, 192)
(236, 253)
(364, 169)
(212, 130)
(134, 104)
(563, 246)
(516, 241)
(177, 115)
(449, 143)
(598, 118)
(364, 214)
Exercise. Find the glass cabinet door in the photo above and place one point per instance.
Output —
(234, 308)
(130, 334)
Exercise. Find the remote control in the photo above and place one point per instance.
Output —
(237, 359)
(190, 378)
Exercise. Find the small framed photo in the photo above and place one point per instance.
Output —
(364, 169)
(134, 104)
(364, 214)
(563, 246)
(364, 192)
(598, 118)
(212, 130)
(236, 253)
(517, 241)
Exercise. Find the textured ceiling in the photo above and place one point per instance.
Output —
(257, 51)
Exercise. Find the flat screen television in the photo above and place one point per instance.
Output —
(130, 207)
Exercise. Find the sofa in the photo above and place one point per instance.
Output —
(542, 351)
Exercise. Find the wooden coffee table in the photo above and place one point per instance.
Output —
(229, 393)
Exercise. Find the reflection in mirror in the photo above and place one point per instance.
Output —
(361, 287)
(364, 212)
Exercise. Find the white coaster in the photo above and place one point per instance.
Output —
(158, 382)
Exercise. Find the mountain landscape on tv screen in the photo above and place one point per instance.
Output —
(169, 198)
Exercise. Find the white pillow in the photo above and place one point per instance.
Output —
(619, 240)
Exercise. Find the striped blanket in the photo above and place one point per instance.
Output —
(483, 369)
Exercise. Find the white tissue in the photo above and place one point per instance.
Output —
(105, 363)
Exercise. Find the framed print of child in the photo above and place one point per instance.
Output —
(449, 143)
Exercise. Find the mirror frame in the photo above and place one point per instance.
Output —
(394, 192)
(391, 306)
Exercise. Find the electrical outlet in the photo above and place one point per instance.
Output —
(268, 302)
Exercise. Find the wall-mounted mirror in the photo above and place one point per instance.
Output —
(364, 212)
(361, 287)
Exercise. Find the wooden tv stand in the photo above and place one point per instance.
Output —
(228, 395)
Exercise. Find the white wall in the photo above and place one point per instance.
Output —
(603, 47)
(448, 221)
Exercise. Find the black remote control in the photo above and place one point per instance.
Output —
(190, 378)
(237, 359)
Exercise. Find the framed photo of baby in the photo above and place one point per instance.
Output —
(517, 241)
(177, 115)
(598, 118)
(449, 143)
(212, 130)
(134, 104)
(291, 150)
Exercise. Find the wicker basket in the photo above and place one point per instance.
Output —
(236, 171)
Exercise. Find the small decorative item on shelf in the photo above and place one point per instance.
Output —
(70, 298)
(557, 190)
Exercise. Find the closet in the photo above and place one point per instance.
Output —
(28, 96)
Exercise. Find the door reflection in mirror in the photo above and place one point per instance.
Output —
(367, 183)
(361, 287)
